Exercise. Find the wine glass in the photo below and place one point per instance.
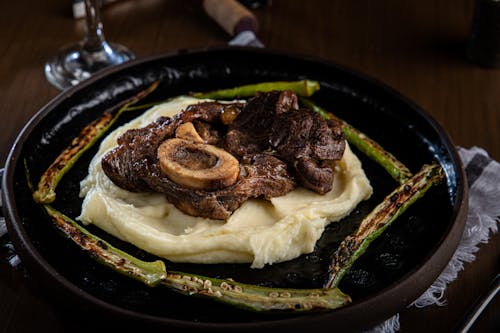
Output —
(76, 63)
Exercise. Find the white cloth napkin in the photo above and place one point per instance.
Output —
(483, 177)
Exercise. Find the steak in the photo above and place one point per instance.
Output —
(262, 175)
(277, 146)
(133, 166)
(127, 164)
(249, 133)
(302, 138)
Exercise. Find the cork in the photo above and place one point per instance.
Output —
(232, 16)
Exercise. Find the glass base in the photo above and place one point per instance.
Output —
(75, 64)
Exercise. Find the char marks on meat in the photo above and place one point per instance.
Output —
(277, 145)
(126, 165)
(249, 133)
(302, 138)
(262, 176)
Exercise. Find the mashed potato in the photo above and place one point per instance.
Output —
(259, 232)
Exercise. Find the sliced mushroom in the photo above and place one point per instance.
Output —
(197, 165)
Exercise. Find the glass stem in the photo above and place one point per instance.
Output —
(94, 37)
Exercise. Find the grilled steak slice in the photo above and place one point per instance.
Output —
(133, 165)
(304, 133)
(261, 175)
(126, 164)
(210, 112)
(305, 140)
(249, 133)
(276, 145)
(211, 119)
(317, 176)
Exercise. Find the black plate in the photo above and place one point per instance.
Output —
(397, 268)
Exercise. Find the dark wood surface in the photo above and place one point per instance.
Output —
(417, 47)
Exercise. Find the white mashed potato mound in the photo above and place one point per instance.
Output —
(259, 232)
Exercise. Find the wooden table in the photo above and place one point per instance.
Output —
(416, 47)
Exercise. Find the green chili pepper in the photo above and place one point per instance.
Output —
(88, 136)
(373, 225)
(154, 273)
(301, 88)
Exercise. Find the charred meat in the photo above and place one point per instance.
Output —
(304, 140)
(261, 176)
(212, 156)
(249, 133)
